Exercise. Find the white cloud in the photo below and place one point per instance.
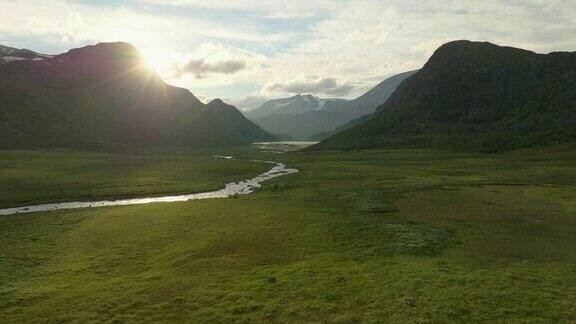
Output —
(250, 101)
(210, 59)
(69, 22)
(373, 39)
(201, 67)
(348, 45)
(271, 9)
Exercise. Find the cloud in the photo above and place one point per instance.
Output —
(270, 9)
(255, 41)
(211, 59)
(325, 85)
(250, 101)
(74, 22)
(200, 68)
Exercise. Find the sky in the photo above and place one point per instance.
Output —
(250, 51)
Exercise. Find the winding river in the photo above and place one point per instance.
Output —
(237, 188)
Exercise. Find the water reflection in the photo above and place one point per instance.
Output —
(237, 188)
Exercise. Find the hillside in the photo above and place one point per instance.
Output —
(104, 96)
(477, 97)
(302, 125)
(233, 122)
(352, 123)
(359, 110)
(369, 101)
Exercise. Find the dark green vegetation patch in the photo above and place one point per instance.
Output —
(373, 224)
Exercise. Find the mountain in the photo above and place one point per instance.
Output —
(104, 96)
(477, 97)
(368, 102)
(232, 121)
(301, 126)
(10, 54)
(360, 109)
(350, 124)
(294, 105)
(298, 116)
(309, 117)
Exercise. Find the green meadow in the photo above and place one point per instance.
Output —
(358, 236)
(36, 177)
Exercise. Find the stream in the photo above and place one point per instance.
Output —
(236, 188)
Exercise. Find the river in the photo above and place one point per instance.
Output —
(236, 188)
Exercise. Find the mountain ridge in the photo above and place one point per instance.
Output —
(319, 121)
(103, 96)
(475, 96)
(296, 104)
(368, 102)
(362, 108)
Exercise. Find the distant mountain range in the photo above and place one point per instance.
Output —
(477, 97)
(309, 117)
(103, 96)
(360, 109)
(297, 104)
(298, 116)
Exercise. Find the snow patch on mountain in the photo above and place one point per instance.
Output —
(10, 54)
(294, 105)
(13, 58)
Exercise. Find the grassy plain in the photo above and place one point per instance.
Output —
(365, 236)
(33, 177)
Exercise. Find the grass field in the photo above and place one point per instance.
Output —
(33, 177)
(366, 236)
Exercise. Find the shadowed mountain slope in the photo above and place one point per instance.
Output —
(478, 97)
(232, 121)
(368, 102)
(98, 97)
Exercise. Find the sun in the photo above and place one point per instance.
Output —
(153, 60)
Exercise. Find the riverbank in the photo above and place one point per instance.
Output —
(242, 187)
(53, 176)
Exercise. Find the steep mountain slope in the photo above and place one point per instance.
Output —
(100, 96)
(350, 124)
(475, 96)
(309, 117)
(301, 126)
(360, 109)
(368, 102)
(231, 121)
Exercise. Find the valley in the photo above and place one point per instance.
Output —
(402, 235)
(303, 162)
